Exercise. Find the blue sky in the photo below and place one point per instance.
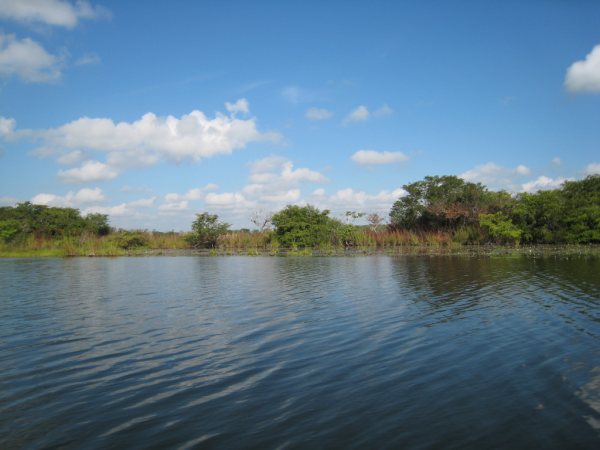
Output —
(151, 112)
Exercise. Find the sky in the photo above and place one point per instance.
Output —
(154, 111)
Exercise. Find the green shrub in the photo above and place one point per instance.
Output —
(303, 226)
(500, 228)
(206, 230)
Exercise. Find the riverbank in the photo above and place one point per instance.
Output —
(417, 250)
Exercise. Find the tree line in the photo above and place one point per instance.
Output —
(438, 210)
(442, 208)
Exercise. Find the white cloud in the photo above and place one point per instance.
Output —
(7, 127)
(174, 206)
(88, 59)
(28, 60)
(320, 192)
(318, 114)
(373, 157)
(360, 114)
(88, 171)
(543, 183)
(192, 194)
(384, 110)
(241, 106)
(351, 200)
(128, 188)
(274, 177)
(116, 211)
(193, 136)
(71, 157)
(556, 161)
(291, 196)
(143, 202)
(584, 76)
(225, 199)
(592, 169)
(50, 12)
(495, 176)
(85, 195)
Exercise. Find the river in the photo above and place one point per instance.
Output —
(300, 352)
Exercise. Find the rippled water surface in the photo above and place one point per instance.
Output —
(241, 352)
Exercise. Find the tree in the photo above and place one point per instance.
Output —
(303, 226)
(351, 216)
(262, 220)
(439, 202)
(500, 228)
(375, 220)
(97, 224)
(206, 230)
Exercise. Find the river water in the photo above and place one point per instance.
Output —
(267, 352)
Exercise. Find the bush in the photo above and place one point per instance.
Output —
(500, 228)
(303, 226)
(206, 230)
(128, 240)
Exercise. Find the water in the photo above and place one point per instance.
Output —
(241, 352)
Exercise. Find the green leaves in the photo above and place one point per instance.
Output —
(303, 226)
(206, 230)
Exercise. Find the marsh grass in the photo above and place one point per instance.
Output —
(250, 243)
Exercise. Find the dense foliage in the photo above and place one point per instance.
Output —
(206, 230)
(26, 219)
(304, 226)
(570, 215)
(436, 211)
(442, 202)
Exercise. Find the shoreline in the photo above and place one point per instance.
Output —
(462, 250)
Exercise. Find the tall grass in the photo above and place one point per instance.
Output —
(115, 244)
(135, 242)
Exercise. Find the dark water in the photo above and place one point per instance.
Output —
(241, 352)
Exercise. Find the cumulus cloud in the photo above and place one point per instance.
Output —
(225, 199)
(241, 106)
(7, 127)
(192, 194)
(71, 157)
(279, 172)
(318, 114)
(174, 206)
(85, 195)
(88, 171)
(120, 210)
(584, 76)
(522, 170)
(27, 60)
(360, 114)
(373, 157)
(193, 136)
(51, 12)
(495, 176)
(592, 169)
(349, 199)
(143, 202)
(543, 183)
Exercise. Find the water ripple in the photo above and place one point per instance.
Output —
(409, 352)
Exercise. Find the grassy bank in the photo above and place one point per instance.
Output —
(365, 242)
